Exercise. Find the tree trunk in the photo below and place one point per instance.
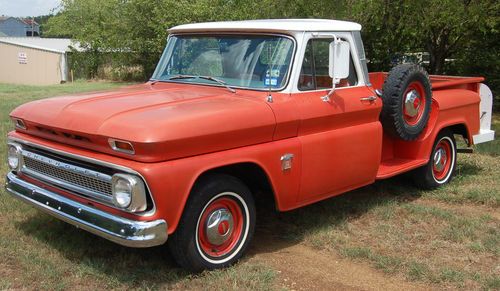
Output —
(439, 66)
(437, 56)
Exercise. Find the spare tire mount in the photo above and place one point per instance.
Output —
(407, 98)
(414, 104)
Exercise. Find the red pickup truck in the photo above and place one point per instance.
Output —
(280, 107)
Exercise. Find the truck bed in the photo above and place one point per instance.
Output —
(394, 156)
(438, 82)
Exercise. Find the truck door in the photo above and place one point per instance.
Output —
(341, 138)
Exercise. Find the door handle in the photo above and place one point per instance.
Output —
(370, 98)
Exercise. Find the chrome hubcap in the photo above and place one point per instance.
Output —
(439, 159)
(412, 103)
(219, 226)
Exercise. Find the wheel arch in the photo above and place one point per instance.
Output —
(251, 174)
(458, 128)
(461, 129)
(423, 148)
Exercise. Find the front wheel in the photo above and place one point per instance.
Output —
(442, 162)
(217, 224)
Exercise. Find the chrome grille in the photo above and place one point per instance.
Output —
(71, 177)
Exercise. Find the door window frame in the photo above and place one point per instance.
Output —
(347, 36)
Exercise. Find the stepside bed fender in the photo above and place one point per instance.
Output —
(455, 109)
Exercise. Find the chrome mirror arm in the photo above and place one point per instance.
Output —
(326, 98)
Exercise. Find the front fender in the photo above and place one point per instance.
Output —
(171, 182)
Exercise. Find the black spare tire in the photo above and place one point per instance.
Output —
(407, 97)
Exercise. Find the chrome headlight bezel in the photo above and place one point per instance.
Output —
(136, 192)
(17, 154)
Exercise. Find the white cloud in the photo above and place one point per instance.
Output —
(27, 7)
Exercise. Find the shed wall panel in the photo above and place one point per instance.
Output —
(41, 68)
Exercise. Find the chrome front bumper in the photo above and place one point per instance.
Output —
(123, 231)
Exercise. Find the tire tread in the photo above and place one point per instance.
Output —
(182, 244)
(394, 86)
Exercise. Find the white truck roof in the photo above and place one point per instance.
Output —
(269, 25)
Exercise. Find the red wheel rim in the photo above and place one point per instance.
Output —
(442, 160)
(413, 103)
(220, 227)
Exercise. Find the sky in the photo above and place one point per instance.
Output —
(27, 7)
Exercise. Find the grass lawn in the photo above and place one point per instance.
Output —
(446, 238)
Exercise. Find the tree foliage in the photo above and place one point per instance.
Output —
(464, 30)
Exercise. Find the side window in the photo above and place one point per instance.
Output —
(314, 71)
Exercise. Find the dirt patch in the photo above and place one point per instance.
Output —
(476, 210)
(303, 268)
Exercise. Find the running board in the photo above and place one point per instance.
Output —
(393, 167)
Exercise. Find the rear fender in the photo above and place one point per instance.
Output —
(450, 109)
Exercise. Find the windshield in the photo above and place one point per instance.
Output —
(246, 61)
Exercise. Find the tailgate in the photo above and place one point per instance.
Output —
(485, 110)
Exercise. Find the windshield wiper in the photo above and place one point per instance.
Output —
(154, 81)
(209, 78)
(177, 77)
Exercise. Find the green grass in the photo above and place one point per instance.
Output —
(445, 238)
(493, 147)
(41, 252)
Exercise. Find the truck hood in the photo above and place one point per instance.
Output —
(163, 121)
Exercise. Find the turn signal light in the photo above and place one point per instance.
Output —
(121, 146)
(19, 123)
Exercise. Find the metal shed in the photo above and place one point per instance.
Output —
(34, 60)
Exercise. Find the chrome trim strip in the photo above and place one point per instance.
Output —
(67, 167)
(101, 196)
(78, 189)
(93, 161)
(120, 230)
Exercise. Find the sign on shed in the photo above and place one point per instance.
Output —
(22, 58)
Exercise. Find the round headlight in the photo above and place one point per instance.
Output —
(128, 192)
(122, 194)
(14, 156)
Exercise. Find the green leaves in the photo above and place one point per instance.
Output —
(446, 29)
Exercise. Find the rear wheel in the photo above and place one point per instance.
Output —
(442, 162)
(216, 226)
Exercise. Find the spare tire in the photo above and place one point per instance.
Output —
(406, 97)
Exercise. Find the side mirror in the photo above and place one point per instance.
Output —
(338, 68)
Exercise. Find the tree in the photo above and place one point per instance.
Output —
(449, 26)
(386, 31)
(442, 28)
(458, 29)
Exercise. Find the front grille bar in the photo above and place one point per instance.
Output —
(74, 178)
